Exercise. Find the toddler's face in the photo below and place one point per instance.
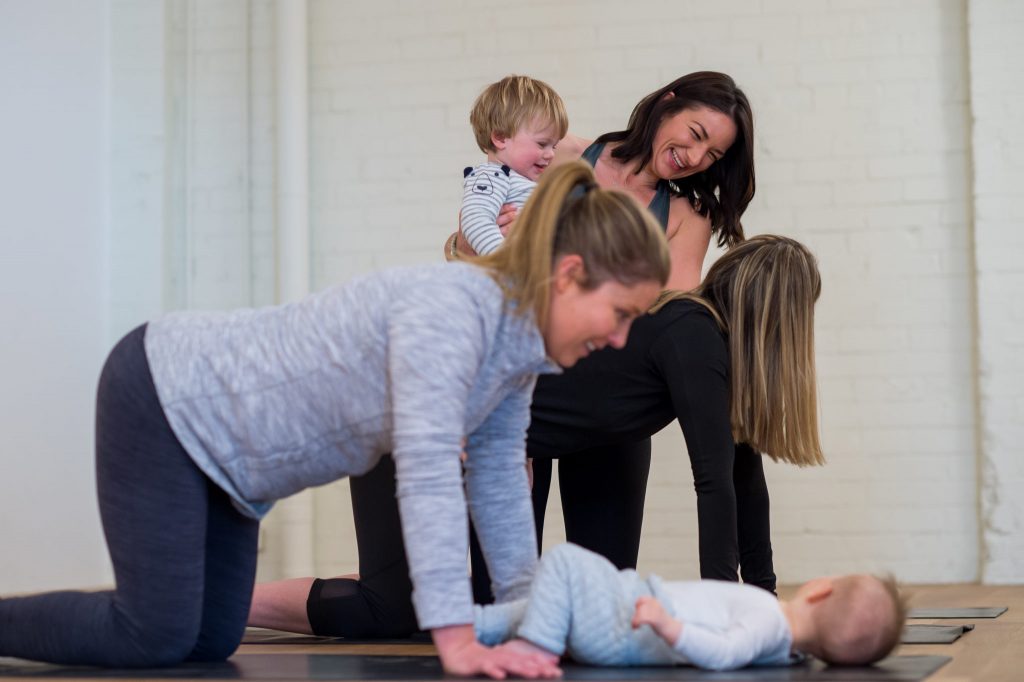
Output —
(530, 150)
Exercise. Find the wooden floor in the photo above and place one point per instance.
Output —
(994, 650)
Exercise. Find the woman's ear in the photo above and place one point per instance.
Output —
(668, 95)
(569, 270)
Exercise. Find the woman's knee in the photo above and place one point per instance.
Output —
(351, 608)
(156, 647)
(218, 647)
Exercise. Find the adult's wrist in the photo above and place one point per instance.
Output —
(451, 638)
(451, 247)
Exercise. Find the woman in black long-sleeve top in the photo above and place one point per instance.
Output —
(746, 332)
(597, 419)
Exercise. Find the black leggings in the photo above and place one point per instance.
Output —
(184, 558)
(602, 492)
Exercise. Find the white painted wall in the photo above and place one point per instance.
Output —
(54, 152)
(141, 261)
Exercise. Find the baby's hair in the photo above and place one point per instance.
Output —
(899, 601)
(862, 620)
(514, 101)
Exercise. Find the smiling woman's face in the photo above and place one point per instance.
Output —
(690, 141)
(581, 320)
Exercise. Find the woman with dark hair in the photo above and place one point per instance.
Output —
(687, 154)
(733, 361)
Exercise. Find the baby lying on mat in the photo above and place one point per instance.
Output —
(582, 605)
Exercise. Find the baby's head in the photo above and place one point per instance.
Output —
(860, 621)
(518, 121)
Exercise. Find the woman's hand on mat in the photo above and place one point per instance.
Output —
(521, 647)
(649, 611)
(462, 655)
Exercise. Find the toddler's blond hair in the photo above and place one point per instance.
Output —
(514, 101)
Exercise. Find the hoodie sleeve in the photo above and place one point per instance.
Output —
(437, 342)
(499, 494)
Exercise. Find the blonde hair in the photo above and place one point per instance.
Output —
(762, 293)
(514, 101)
(861, 621)
(569, 214)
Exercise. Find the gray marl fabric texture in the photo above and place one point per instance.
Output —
(270, 401)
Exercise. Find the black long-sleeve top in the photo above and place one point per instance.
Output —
(674, 366)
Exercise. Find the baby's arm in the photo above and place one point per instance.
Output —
(649, 611)
(701, 647)
(455, 247)
(485, 189)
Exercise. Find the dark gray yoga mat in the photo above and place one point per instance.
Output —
(357, 667)
(919, 633)
(263, 636)
(956, 612)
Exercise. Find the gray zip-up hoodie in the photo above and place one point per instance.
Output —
(409, 361)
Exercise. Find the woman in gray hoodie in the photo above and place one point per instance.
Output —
(205, 419)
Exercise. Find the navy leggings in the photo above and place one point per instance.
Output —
(602, 492)
(184, 559)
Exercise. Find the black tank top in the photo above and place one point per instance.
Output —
(662, 195)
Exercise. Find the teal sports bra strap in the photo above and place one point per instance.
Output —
(592, 153)
(662, 196)
(659, 204)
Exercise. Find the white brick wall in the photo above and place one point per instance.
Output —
(861, 114)
(862, 155)
(191, 101)
(864, 152)
(998, 145)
